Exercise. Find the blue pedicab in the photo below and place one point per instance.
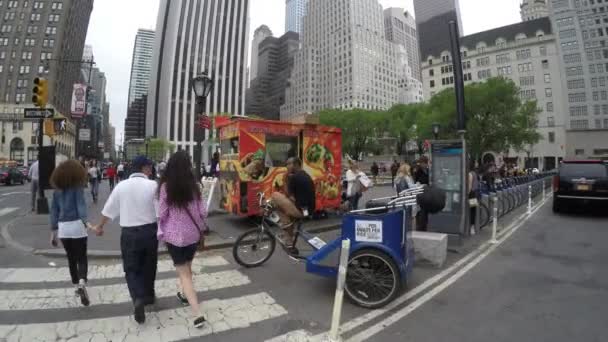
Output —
(380, 257)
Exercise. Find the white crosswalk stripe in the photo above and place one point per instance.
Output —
(6, 211)
(166, 325)
(111, 294)
(37, 275)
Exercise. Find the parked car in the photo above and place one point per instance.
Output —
(11, 175)
(580, 182)
(25, 172)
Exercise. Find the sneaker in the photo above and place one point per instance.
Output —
(199, 322)
(292, 250)
(139, 312)
(84, 296)
(182, 299)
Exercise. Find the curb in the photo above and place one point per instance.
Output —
(114, 254)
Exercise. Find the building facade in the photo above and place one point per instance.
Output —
(135, 124)
(35, 37)
(350, 65)
(259, 35)
(581, 28)
(275, 63)
(526, 53)
(295, 10)
(432, 18)
(141, 64)
(192, 37)
(533, 9)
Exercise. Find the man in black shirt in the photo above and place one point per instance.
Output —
(300, 199)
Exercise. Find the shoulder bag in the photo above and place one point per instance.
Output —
(201, 240)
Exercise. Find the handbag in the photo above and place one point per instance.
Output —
(201, 240)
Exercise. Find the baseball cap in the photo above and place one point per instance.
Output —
(140, 162)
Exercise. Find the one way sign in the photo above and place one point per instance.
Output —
(35, 113)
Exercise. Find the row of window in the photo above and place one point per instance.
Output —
(25, 69)
(57, 5)
(28, 42)
(26, 55)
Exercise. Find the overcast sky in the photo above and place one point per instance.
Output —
(114, 24)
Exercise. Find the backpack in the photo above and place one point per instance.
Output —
(401, 185)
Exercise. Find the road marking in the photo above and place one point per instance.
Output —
(360, 320)
(63, 298)
(395, 317)
(6, 211)
(14, 193)
(166, 325)
(293, 336)
(56, 274)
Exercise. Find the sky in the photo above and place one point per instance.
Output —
(114, 24)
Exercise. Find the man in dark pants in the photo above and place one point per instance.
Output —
(421, 175)
(133, 201)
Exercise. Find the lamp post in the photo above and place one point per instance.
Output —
(436, 127)
(202, 86)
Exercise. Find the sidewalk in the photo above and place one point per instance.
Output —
(31, 232)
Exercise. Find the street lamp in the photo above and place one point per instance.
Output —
(202, 86)
(436, 127)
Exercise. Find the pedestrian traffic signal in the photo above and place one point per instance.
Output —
(41, 92)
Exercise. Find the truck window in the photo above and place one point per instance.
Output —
(281, 148)
(230, 146)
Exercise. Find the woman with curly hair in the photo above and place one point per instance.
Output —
(68, 221)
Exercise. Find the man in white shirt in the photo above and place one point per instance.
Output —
(33, 174)
(133, 200)
(120, 171)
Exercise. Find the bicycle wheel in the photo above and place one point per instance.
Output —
(253, 248)
(372, 279)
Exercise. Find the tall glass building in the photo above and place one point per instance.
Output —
(192, 37)
(295, 10)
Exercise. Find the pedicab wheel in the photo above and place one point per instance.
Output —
(253, 248)
(372, 279)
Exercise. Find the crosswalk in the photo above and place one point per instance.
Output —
(39, 304)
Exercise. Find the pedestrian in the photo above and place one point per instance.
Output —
(120, 172)
(375, 170)
(355, 188)
(404, 180)
(215, 164)
(33, 174)
(69, 221)
(394, 169)
(94, 179)
(111, 173)
(474, 194)
(161, 168)
(181, 215)
(133, 201)
(421, 176)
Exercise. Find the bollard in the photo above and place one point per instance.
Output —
(334, 334)
(494, 220)
(544, 189)
(529, 199)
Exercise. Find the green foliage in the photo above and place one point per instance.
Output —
(158, 148)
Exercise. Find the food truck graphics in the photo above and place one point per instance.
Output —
(253, 156)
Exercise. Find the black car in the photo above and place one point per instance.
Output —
(580, 182)
(11, 175)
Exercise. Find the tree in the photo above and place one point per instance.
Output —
(157, 149)
(402, 123)
(358, 126)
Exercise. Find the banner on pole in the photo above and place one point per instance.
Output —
(79, 100)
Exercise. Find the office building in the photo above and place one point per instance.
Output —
(141, 64)
(193, 37)
(348, 65)
(295, 10)
(432, 18)
(267, 92)
(259, 35)
(526, 53)
(581, 28)
(533, 9)
(135, 123)
(35, 38)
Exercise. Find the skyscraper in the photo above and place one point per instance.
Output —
(400, 28)
(432, 18)
(196, 36)
(267, 92)
(350, 65)
(581, 28)
(259, 35)
(534, 9)
(141, 64)
(295, 10)
(139, 84)
(32, 33)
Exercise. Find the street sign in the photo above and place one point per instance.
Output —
(35, 113)
(84, 134)
(79, 99)
(204, 121)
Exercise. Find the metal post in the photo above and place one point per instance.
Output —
(334, 334)
(42, 205)
(494, 220)
(529, 199)
(544, 189)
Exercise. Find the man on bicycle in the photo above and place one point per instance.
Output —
(299, 200)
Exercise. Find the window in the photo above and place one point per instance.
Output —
(1, 68)
(577, 97)
(551, 137)
(432, 72)
(53, 18)
(281, 148)
(596, 109)
(524, 54)
(549, 93)
(504, 70)
(549, 106)
(504, 58)
(526, 81)
(485, 61)
(604, 95)
(572, 58)
(545, 64)
(468, 77)
(527, 94)
(483, 74)
(547, 78)
(578, 111)
(579, 152)
(550, 121)
(579, 124)
(24, 69)
(543, 50)
(576, 84)
(35, 17)
(525, 67)
(432, 84)
(573, 45)
(571, 33)
(574, 71)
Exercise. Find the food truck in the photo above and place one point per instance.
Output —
(253, 155)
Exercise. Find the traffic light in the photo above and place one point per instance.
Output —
(60, 125)
(41, 92)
